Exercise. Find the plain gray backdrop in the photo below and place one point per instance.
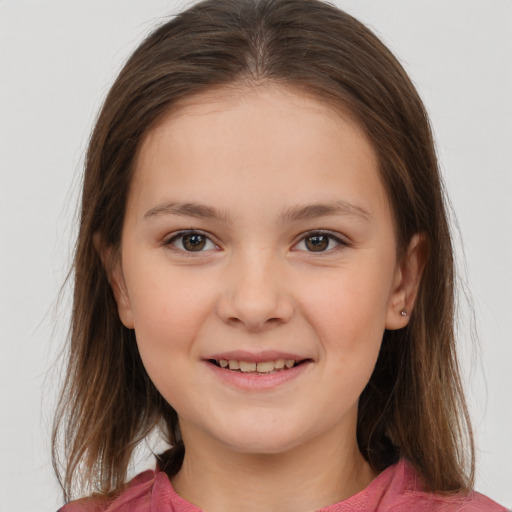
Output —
(57, 61)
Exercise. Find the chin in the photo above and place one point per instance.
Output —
(254, 429)
(262, 439)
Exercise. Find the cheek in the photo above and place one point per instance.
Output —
(349, 308)
(169, 309)
(347, 312)
(169, 306)
(349, 322)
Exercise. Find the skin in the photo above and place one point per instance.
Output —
(254, 155)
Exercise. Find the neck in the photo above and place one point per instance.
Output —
(317, 474)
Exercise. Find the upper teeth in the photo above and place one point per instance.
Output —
(262, 367)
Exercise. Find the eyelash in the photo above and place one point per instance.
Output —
(341, 243)
(170, 242)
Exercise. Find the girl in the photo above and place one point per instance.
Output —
(264, 272)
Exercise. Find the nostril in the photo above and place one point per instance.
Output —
(254, 324)
(253, 308)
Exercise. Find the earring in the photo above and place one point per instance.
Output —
(403, 312)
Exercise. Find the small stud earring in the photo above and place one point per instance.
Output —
(403, 312)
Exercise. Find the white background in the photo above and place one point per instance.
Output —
(57, 61)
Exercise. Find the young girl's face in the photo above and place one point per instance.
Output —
(258, 234)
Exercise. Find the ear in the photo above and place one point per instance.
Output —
(406, 284)
(113, 268)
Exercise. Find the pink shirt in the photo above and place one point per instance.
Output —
(396, 489)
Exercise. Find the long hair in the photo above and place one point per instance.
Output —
(413, 405)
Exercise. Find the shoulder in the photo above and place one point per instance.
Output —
(474, 502)
(407, 493)
(399, 489)
(135, 497)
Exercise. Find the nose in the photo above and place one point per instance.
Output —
(255, 295)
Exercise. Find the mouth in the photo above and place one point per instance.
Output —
(257, 368)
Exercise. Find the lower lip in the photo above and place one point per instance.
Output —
(256, 382)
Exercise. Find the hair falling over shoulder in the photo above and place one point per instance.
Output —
(413, 406)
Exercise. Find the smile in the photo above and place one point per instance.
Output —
(257, 372)
(262, 367)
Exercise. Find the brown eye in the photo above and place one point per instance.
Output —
(192, 241)
(317, 243)
(320, 242)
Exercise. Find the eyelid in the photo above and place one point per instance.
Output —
(342, 241)
(337, 237)
(171, 237)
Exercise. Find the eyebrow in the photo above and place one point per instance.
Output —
(198, 210)
(293, 214)
(310, 211)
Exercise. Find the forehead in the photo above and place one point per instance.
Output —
(271, 140)
(292, 109)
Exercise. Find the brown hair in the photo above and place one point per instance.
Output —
(413, 405)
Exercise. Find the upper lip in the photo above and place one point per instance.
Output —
(255, 357)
